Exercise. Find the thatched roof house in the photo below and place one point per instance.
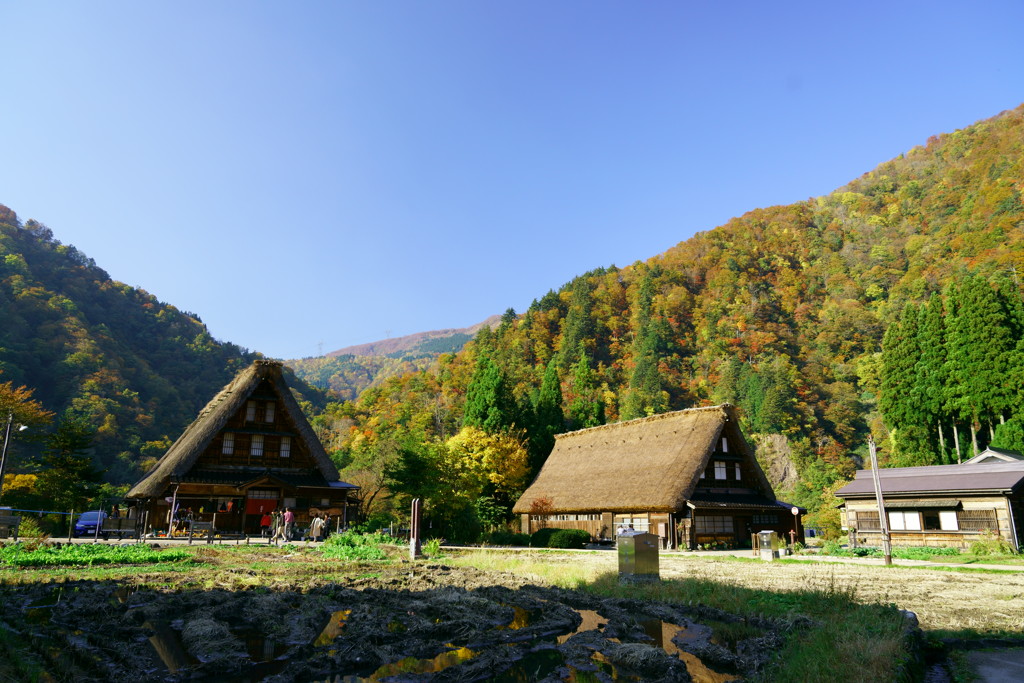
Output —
(249, 451)
(688, 476)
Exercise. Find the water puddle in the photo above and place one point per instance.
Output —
(591, 621)
(664, 635)
(334, 628)
(412, 665)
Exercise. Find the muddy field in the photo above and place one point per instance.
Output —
(259, 613)
(440, 623)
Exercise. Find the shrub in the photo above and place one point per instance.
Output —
(506, 538)
(540, 537)
(29, 528)
(432, 548)
(569, 538)
(991, 544)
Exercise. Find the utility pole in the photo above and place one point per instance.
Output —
(882, 519)
(7, 441)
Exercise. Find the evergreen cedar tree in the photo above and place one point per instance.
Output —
(783, 310)
(953, 372)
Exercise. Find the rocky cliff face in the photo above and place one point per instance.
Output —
(776, 459)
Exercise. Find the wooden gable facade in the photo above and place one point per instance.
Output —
(687, 476)
(250, 451)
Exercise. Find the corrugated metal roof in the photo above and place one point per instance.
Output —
(991, 476)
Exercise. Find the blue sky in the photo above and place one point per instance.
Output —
(320, 174)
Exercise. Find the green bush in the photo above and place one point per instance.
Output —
(540, 537)
(991, 544)
(506, 538)
(569, 538)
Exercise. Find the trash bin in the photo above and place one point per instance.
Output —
(638, 557)
(768, 541)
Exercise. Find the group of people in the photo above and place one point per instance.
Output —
(279, 525)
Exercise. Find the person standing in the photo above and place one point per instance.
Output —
(316, 528)
(265, 523)
(289, 524)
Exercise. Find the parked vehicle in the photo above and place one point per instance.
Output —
(87, 522)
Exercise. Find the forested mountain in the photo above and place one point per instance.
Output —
(96, 351)
(781, 311)
(345, 373)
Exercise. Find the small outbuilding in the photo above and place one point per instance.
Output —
(940, 505)
(250, 451)
(687, 476)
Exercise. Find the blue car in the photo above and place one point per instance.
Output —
(87, 521)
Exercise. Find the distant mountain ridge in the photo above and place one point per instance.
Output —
(345, 373)
(417, 341)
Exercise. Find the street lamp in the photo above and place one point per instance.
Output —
(7, 440)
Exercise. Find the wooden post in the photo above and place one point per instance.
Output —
(414, 530)
(71, 525)
(883, 521)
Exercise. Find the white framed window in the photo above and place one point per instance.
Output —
(725, 445)
(736, 470)
(719, 469)
(250, 411)
(286, 446)
(228, 444)
(256, 447)
(947, 520)
(905, 521)
(268, 412)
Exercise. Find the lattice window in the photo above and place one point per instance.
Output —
(713, 524)
(719, 470)
(978, 520)
(766, 519)
(228, 444)
(286, 446)
(250, 411)
(256, 447)
(268, 412)
(864, 520)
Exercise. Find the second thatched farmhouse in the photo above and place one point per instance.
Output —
(687, 476)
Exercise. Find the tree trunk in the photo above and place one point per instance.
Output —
(974, 435)
(956, 440)
(991, 431)
(942, 441)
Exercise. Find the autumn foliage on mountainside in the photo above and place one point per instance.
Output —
(94, 351)
(781, 311)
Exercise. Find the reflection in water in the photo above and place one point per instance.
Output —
(662, 633)
(591, 621)
(412, 665)
(167, 643)
(333, 628)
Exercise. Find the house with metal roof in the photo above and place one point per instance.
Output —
(687, 476)
(249, 451)
(940, 505)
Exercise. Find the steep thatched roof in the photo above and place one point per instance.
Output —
(184, 452)
(651, 464)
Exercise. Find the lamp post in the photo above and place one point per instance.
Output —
(7, 440)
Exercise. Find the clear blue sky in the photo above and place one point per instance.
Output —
(337, 172)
